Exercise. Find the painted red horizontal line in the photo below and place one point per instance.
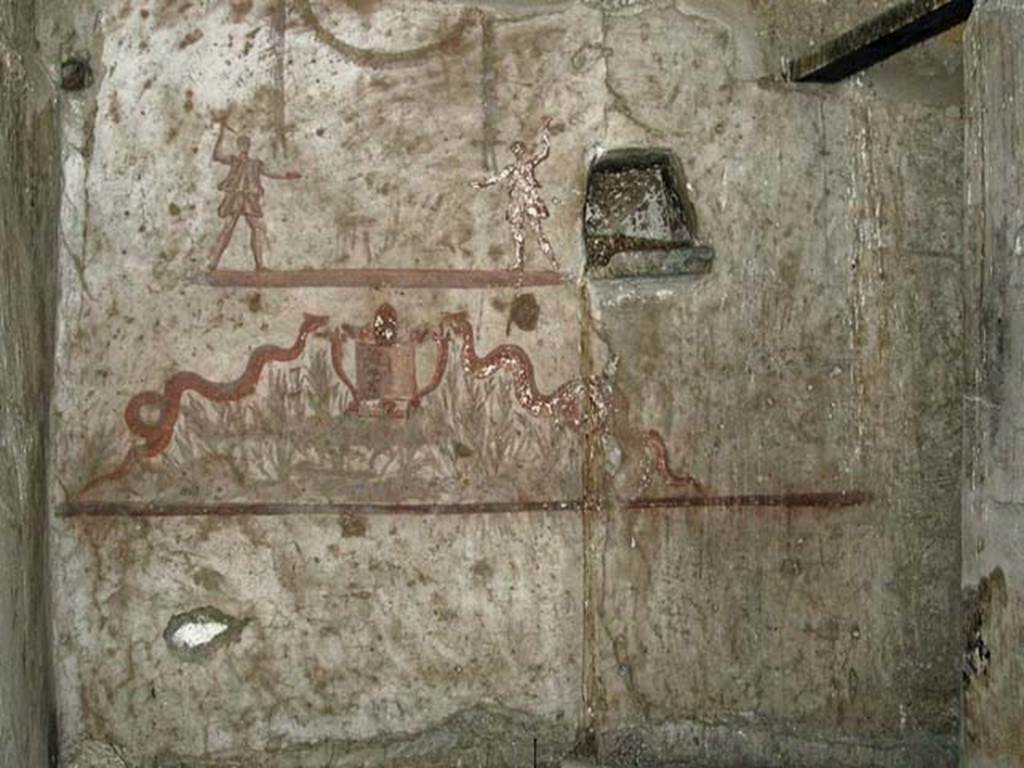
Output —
(788, 500)
(148, 509)
(373, 278)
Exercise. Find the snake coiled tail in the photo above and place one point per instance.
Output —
(567, 404)
(654, 442)
(157, 435)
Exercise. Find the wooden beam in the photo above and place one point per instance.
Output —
(906, 24)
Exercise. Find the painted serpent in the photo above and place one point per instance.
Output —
(157, 435)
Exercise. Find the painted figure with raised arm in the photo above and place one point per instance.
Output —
(243, 195)
(526, 209)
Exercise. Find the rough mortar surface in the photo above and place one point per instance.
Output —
(28, 213)
(993, 537)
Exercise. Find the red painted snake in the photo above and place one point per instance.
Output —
(655, 444)
(157, 435)
(565, 404)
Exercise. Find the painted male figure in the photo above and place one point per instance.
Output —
(243, 196)
(526, 209)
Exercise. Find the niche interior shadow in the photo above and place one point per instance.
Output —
(638, 221)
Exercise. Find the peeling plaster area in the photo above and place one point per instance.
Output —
(196, 634)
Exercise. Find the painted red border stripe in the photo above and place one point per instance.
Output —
(789, 500)
(371, 278)
(146, 509)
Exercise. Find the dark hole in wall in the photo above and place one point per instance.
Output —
(76, 74)
(978, 607)
(638, 219)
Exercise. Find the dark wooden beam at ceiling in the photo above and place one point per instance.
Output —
(906, 24)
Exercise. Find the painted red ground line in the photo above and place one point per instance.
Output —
(369, 278)
(786, 500)
(143, 509)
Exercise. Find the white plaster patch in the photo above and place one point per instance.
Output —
(194, 634)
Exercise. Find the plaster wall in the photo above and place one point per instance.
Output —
(993, 539)
(28, 207)
(706, 518)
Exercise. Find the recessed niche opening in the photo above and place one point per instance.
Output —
(638, 221)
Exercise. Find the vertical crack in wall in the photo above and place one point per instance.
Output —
(867, 241)
(608, 88)
(279, 25)
(78, 116)
(591, 468)
(593, 506)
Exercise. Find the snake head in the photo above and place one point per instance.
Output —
(336, 336)
(311, 323)
(456, 320)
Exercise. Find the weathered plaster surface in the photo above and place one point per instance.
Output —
(28, 206)
(993, 538)
(823, 346)
(459, 583)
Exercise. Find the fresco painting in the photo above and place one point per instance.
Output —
(492, 365)
(339, 417)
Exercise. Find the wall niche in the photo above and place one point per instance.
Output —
(638, 221)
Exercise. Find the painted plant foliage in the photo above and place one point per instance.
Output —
(340, 416)
(346, 420)
(300, 434)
